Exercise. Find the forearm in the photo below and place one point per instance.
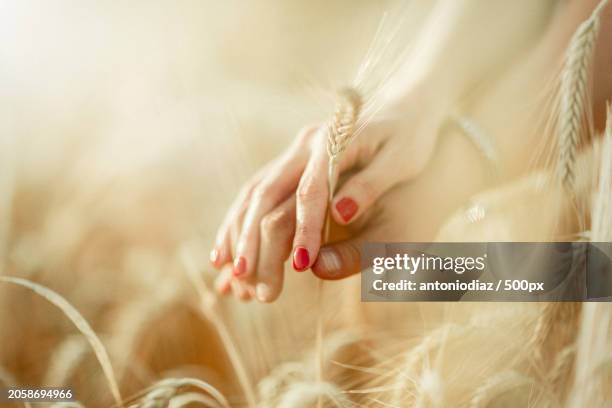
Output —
(466, 40)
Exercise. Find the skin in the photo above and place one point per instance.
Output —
(283, 207)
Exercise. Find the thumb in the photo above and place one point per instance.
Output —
(338, 260)
(341, 259)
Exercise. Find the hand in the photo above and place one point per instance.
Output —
(258, 232)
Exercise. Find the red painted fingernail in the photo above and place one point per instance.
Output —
(239, 266)
(347, 208)
(301, 259)
(214, 257)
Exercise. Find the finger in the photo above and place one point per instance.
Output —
(235, 229)
(343, 259)
(363, 189)
(277, 230)
(223, 282)
(311, 207)
(280, 181)
(227, 236)
(240, 290)
(222, 251)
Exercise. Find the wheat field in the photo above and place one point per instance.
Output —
(128, 127)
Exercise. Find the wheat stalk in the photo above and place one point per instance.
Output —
(562, 367)
(79, 321)
(65, 360)
(602, 207)
(594, 338)
(574, 111)
(340, 133)
(555, 330)
(574, 118)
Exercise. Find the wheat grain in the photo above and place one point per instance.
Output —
(574, 114)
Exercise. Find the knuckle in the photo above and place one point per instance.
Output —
(247, 189)
(259, 192)
(268, 192)
(275, 222)
(366, 186)
(305, 134)
(306, 231)
(309, 191)
(263, 193)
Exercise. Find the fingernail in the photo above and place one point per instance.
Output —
(330, 261)
(214, 257)
(347, 208)
(263, 292)
(239, 266)
(301, 259)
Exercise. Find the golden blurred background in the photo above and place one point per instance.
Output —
(126, 129)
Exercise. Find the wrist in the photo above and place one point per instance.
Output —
(421, 95)
(433, 87)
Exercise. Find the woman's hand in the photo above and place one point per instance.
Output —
(393, 148)
(282, 209)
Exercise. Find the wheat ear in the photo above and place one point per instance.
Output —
(573, 116)
(341, 129)
(340, 133)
